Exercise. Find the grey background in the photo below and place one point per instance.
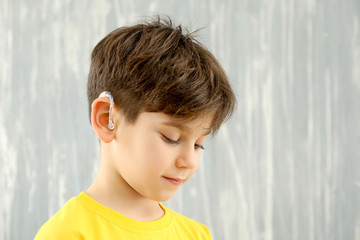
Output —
(286, 166)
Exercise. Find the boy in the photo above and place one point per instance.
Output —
(154, 95)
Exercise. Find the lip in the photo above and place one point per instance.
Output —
(175, 181)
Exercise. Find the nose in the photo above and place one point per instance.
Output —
(188, 158)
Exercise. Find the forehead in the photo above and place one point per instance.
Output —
(202, 123)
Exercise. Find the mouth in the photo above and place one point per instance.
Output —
(175, 181)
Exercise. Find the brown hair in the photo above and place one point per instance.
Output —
(155, 67)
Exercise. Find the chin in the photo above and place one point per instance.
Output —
(163, 197)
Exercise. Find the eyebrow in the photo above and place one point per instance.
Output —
(185, 128)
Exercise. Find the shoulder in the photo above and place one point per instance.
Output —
(63, 223)
(189, 227)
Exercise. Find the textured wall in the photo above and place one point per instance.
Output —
(286, 166)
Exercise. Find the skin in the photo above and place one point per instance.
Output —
(144, 162)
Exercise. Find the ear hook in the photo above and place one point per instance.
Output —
(110, 97)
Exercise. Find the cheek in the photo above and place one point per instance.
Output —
(196, 167)
(158, 153)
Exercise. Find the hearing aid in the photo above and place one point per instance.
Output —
(110, 97)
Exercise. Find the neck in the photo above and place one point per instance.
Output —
(112, 191)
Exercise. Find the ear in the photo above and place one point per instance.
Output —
(100, 119)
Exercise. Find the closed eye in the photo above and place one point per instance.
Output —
(168, 140)
(171, 141)
(199, 146)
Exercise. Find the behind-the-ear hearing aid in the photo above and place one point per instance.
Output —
(110, 97)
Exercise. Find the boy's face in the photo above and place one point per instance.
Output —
(158, 153)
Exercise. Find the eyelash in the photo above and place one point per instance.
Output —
(168, 140)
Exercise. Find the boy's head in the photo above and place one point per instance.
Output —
(155, 67)
(169, 93)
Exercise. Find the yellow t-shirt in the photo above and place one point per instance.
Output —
(84, 218)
